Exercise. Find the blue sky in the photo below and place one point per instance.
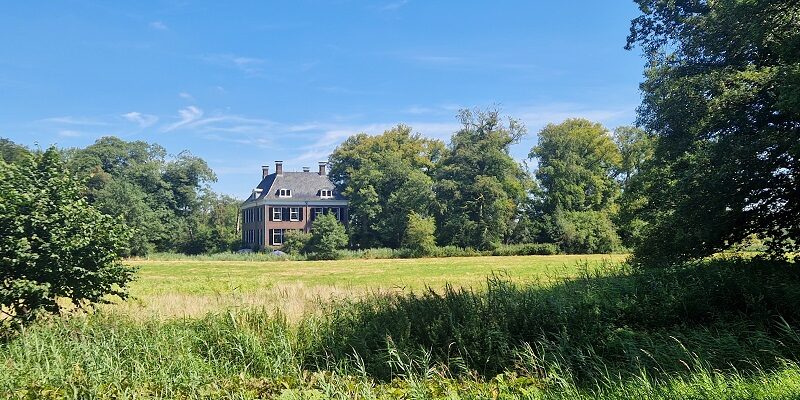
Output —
(244, 83)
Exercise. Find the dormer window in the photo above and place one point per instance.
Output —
(325, 193)
(284, 193)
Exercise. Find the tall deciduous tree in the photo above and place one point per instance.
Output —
(636, 148)
(578, 161)
(53, 244)
(723, 96)
(480, 187)
(385, 177)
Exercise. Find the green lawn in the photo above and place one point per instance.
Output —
(192, 288)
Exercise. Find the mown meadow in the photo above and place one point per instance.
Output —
(480, 327)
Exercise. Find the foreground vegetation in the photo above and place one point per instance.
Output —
(723, 328)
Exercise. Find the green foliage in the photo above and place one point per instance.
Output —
(721, 95)
(296, 242)
(420, 234)
(719, 314)
(577, 161)
(479, 186)
(385, 178)
(165, 201)
(53, 245)
(584, 232)
(11, 152)
(327, 237)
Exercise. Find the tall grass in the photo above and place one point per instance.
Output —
(715, 329)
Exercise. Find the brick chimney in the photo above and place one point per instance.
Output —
(264, 171)
(322, 165)
(278, 167)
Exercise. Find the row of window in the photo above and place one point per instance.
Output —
(256, 214)
(323, 193)
(253, 214)
(254, 236)
(276, 236)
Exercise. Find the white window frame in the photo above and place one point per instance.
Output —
(294, 213)
(326, 193)
(318, 211)
(284, 192)
(277, 214)
(279, 234)
(337, 212)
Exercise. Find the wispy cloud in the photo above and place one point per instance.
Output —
(395, 5)
(248, 65)
(143, 120)
(186, 96)
(69, 133)
(159, 26)
(186, 116)
(69, 120)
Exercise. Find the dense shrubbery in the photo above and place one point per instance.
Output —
(728, 313)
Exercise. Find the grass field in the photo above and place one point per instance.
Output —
(543, 327)
(193, 288)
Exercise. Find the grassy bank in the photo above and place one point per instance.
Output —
(716, 329)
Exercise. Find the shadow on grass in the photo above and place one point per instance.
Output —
(720, 314)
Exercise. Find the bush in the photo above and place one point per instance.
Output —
(53, 244)
(527, 249)
(585, 232)
(419, 237)
(327, 237)
(296, 242)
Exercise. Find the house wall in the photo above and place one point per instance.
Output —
(258, 223)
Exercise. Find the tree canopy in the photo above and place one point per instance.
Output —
(53, 244)
(479, 186)
(385, 177)
(722, 95)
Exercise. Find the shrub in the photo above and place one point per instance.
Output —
(327, 237)
(527, 249)
(585, 232)
(296, 242)
(53, 244)
(419, 237)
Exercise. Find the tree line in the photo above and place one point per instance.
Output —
(165, 200)
(405, 188)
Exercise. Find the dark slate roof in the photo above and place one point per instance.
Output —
(305, 186)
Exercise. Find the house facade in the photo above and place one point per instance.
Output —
(284, 201)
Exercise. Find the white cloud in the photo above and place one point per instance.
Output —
(249, 65)
(395, 5)
(69, 133)
(187, 116)
(159, 26)
(186, 96)
(68, 120)
(144, 120)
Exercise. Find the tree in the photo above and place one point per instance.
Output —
(636, 149)
(165, 200)
(479, 185)
(53, 244)
(327, 237)
(420, 235)
(11, 152)
(722, 94)
(577, 161)
(385, 177)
